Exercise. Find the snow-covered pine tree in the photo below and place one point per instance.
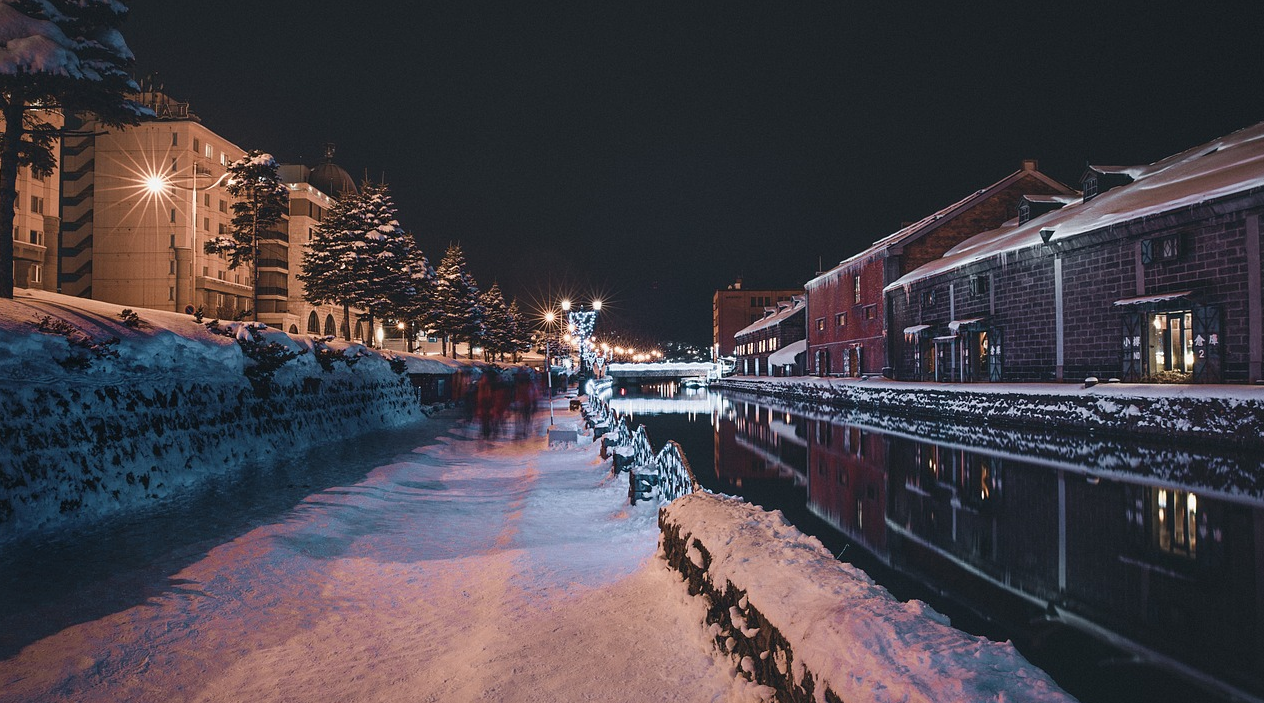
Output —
(459, 315)
(329, 272)
(383, 256)
(412, 304)
(260, 202)
(496, 332)
(55, 54)
(520, 332)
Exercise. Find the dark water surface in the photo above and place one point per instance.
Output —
(1129, 572)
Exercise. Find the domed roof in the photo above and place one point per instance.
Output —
(331, 178)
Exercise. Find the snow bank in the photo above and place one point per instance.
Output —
(794, 618)
(107, 412)
(1228, 416)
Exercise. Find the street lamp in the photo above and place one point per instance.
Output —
(549, 318)
(159, 184)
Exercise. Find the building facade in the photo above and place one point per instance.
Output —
(1154, 275)
(779, 330)
(734, 308)
(36, 220)
(313, 191)
(138, 204)
(848, 324)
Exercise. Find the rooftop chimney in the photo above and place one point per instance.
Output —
(1030, 164)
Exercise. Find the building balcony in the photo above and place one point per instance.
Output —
(26, 251)
(280, 264)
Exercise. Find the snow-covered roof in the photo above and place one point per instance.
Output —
(958, 324)
(934, 219)
(916, 329)
(1149, 299)
(1047, 198)
(783, 313)
(1222, 167)
(429, 364)
(785, 355)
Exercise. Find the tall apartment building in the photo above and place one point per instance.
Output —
(36, 221)
(138, 204)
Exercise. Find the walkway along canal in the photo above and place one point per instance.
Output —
(1129, 572)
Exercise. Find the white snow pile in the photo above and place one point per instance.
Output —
(74, 343)
(110, 410)
(845, 632)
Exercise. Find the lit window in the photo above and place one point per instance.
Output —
(840, 319)
(210, 151)
(870, 311)
(820, 324)
(37, 273)
(1176, 522)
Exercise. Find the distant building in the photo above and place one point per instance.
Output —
(313, 191)
(1154, 275)
(734, 308)
(779, 333)
(847, 317)
(138, 204)
(35, 219)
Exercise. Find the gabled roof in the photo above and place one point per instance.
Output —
(927, 224)
(1219, 168)
(776, 318)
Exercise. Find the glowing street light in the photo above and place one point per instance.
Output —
(158, 186)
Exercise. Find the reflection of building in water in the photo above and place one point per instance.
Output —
(1170, 569)
(754, 442)
(847, 481)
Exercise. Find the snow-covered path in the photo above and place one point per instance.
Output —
(466, 570)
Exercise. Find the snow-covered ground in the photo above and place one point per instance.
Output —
(465, 570)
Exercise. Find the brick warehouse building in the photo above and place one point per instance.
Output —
(1155, 274)
(847, 320)
(778, 333)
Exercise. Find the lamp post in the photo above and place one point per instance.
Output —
(160, 185)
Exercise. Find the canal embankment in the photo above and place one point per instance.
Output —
(1220, 415)
(794, 618)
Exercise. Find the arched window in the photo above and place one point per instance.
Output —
(313, 324)
(330, 327)
(293, 329)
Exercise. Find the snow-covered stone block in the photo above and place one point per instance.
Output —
(794, 618)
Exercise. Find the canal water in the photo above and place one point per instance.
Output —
(1129, 572)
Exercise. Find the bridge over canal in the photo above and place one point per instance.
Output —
(662, 371)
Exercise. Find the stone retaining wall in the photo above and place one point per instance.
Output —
(1216, 415)
(80, 453)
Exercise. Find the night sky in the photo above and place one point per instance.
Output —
(650, 153)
